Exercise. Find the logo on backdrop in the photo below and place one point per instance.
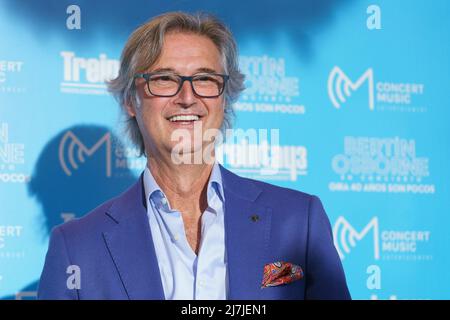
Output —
(345, 236)
(268, 88)
(10, 76)
(12, 157)
(382, 95)
(340, 87)
(87, 75)
(74, 153)
(387, 244)
(385, 165)
(8, 235)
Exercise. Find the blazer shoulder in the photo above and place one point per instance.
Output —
(283, 199)
(271, 192)
(96, 220)
(90, 223)
(283, 191)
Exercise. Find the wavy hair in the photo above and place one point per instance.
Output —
(144, 47)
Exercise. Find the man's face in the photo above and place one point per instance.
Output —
(186, 55)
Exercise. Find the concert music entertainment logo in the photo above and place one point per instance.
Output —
(407, 245)
(73, 152)
(382, 95)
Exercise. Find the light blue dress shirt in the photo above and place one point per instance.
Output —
(184, 274)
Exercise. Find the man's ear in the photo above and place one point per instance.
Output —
(130, 108)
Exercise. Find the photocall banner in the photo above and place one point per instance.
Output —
(345, 99)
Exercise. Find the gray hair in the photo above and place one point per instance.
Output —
(144, 46)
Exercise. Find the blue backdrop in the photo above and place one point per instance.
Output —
(359, 91)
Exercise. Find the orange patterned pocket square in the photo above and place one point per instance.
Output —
(279, 273)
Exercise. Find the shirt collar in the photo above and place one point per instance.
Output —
(215, 181)
(154, 192)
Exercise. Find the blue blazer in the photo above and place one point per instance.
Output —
(113, 247)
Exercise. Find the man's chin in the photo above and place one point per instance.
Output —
(193, 155)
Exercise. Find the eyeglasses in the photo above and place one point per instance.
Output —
(205, 85)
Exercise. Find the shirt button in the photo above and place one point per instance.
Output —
(164, 200)
(176, 237)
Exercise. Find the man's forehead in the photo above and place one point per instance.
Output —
(175, 45)
(194, 52)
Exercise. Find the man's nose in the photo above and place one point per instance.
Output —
(186, 96)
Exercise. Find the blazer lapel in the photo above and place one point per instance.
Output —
(247, 236)
(131, 246)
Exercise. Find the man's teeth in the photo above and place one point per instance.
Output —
(184, 118)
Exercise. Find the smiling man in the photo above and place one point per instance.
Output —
(190, 229)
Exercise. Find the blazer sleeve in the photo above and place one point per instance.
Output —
(53, 281)
(325, 278)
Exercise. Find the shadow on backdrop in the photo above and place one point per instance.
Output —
(261, 20)
(75, 172)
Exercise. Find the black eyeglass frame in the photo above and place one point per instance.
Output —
(147, 76)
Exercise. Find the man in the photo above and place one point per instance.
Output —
(190, 229)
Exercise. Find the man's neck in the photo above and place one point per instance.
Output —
(185, 185)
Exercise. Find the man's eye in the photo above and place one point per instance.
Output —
(164, 78)
(208, 80)
(205, 78)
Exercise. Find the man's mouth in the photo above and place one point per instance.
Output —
(184, 118)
